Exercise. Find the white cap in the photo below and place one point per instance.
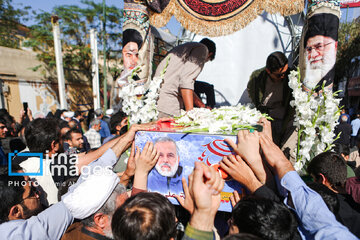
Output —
(109, 111)
(68, 114)
(85, 198)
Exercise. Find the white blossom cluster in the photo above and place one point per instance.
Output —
(224, 120)
(316, 117)
(139, 102)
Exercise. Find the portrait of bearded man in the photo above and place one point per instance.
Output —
(166, 176)
(320, 47)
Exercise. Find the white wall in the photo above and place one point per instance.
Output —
(239, 54)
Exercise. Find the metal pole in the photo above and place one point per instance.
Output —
(59, 62)
(95, 68)
(104, 52)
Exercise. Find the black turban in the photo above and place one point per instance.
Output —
(324, 24)
(131, 35)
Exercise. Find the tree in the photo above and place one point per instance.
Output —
(75, 24)
(348, 48)
(10, 19)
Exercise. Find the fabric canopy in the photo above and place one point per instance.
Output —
(221, 17)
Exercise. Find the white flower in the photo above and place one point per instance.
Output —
(312, 112)
(224, 120)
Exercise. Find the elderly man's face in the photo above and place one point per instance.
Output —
(130, 55)
(168, 162)
(321, 51)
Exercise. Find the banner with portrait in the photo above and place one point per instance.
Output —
(178, 152)
(318, 45)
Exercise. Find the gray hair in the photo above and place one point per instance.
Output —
(95, 121)
(109, 206)
(344, 118)
(167, 139)
(98, 112)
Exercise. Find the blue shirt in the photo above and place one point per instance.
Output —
(52, 222)
(104, 131)
(108, 138)
(316, 220)
(355, 124)
(49, 224)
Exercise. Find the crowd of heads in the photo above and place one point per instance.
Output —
(151, 215)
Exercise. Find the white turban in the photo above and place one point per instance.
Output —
(68, 114)
(109, 111)
(86, 198)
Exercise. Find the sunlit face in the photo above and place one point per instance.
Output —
(76, 140)
(321, 50)
(3, 130)
(130, 54)
(279, 74)
(168, 162)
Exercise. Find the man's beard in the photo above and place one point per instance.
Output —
(170, 173)
(316, 71)
(27, 213)
(108, 233)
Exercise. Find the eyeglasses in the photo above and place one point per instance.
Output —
(33, 193)
(2, 127)
(318, 47)
(280, 75)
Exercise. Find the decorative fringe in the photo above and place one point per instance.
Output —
(226, 26)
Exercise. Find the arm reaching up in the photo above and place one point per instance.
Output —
(249, 149)
(205, 186)
(145, 161)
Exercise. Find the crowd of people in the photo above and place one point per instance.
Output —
(71, 176)
(102, 194)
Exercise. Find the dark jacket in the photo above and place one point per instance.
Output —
(256, 89)
(345, 130)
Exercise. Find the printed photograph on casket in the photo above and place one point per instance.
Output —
(178, 152)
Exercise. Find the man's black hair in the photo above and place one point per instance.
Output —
(146, 216)
(11, 193)
(50, 115)
(331, 165)
(40, 133)
(264, 218)
(3, 111)
(68, 137)
(342, 149)
(63, 124)
(211, 46)
(115, 120)
(3, 121)
(275, 61)
(58, 113)
(77, 113)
